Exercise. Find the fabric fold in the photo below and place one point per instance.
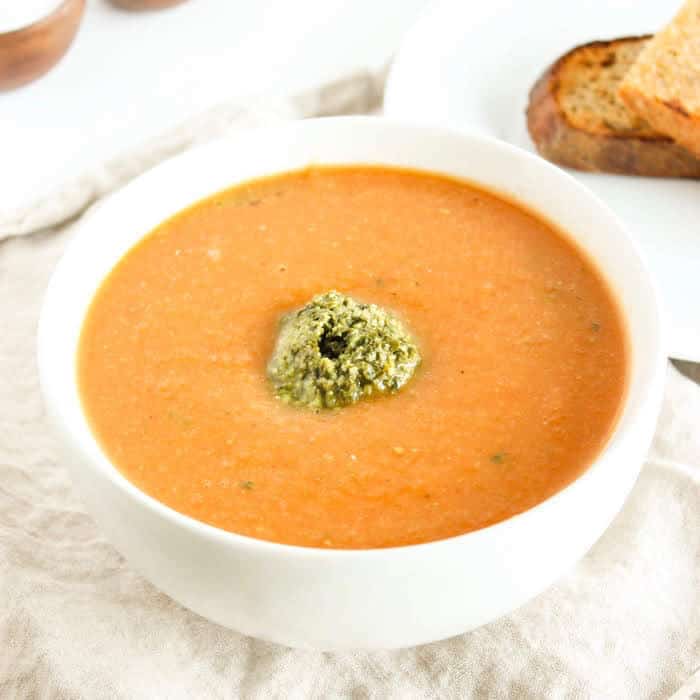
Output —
(359, 93)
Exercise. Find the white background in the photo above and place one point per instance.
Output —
(131, 75)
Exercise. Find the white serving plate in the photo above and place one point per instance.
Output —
(471, 65)
(376, 598)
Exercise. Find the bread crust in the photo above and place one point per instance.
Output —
(561, 142)
(662, 84)
(668, 117)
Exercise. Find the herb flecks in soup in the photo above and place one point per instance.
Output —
(336, 351)
(522, 375)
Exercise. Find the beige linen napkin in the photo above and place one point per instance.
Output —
(77, 622)
(359, 93)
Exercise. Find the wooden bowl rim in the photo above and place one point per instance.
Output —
(52, 17)
(146, 8)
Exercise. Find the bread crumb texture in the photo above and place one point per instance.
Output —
(588, 85)
(663, 85)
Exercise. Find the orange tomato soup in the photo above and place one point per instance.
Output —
(522, 379)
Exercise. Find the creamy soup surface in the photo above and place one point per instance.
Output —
(522, 377)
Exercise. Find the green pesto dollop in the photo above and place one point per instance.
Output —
(336, 351)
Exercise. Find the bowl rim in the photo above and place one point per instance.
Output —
(40, 23)
(619, 436)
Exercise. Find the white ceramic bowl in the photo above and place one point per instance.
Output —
(331, 599)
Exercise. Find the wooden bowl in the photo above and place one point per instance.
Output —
(29, 52)
(145, 4)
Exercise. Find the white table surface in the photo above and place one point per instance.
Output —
(129, 76)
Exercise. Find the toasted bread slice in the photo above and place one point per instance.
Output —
(576, 118)
(663, 85)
